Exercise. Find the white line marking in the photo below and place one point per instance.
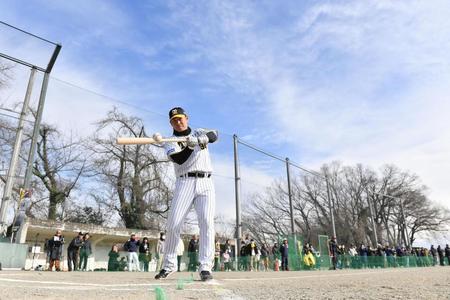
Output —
(78, 288)
(308, 276)
(82, 283)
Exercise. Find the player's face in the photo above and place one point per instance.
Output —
(179, 124)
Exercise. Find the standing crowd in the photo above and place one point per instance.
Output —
(253, 256)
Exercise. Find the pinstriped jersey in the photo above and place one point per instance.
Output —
(198, 161)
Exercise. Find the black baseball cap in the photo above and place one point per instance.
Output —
(176, 112)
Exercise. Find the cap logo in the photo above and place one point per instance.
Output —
(174, 111)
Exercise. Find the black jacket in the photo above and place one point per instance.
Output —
(193, 245)
(75, 244)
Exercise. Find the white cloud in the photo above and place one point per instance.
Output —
(355, 81)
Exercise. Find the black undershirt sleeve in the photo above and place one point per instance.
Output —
(181, 156)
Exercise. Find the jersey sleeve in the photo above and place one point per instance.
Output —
(178, 152)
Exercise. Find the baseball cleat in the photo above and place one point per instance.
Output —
(163, 274)
(205, 275)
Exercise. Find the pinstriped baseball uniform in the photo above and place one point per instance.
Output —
(191, 189)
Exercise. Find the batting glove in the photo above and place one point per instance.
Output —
(192, 141)
(203, 139)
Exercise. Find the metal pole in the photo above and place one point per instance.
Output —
(291, 205)
(330, 206)
(16, 151)
(373, 220)
(37, 125)
(237, 190)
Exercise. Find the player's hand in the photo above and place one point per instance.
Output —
(157, 137)
(192, 141)
(203, 139)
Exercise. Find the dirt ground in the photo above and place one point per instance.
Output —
(412, 283)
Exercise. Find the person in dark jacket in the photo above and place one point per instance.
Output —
(251, 251)
(193, 254)
(73, 251)
(265, 257)
(113, 262)
(333, 250)
(447, 254)
(284, 251)
(144, 254)
(132, 247)
(440, 253)
(434, 255)
(55, 250)
(85, 251)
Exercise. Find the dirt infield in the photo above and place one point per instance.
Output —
(412, 283)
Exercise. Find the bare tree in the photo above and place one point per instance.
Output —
(135, 176)
(59, 165)
(401, 208)
(5, 73)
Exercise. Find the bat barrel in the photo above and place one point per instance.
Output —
(134, 141)
(147, 140)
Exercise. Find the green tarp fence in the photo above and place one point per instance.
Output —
(13, 255)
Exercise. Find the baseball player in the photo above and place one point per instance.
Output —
(193, 186)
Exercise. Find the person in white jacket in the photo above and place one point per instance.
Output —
(160, 250)
(180, 251)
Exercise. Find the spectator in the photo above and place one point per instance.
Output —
(180, 251)
(308, 257)
(122, 264)
(447, 254)
(440, 253)
(276, 256)
(113, 263)
(85, 252)
(132, 247)
(333, 251)
(54, 251)
(160, 251)
(216, 255)
(144, 253)
(193, 254)
(354, 256)
(243, 262)
(434, 254)
(389, 255)
(252, 251)
(258, 259)
(265, 257)
(73, 251)
(363, 252)
(284, 250)
(227, 254)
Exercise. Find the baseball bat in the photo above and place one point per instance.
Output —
(147, 140)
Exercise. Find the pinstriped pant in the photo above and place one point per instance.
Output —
(200, 193)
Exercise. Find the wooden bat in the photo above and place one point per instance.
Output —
(148, 140)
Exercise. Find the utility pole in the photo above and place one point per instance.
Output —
(237, 189)
(331, 207)
(291, 205)
(373, 219)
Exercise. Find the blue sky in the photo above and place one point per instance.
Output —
(354, 81)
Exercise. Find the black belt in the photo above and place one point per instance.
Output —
(197, 174)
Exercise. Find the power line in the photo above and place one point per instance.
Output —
(14, 117)
(108, 97)
(10, 110)
(28, 33)
(279, 158)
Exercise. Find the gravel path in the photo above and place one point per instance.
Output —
(413, 283)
